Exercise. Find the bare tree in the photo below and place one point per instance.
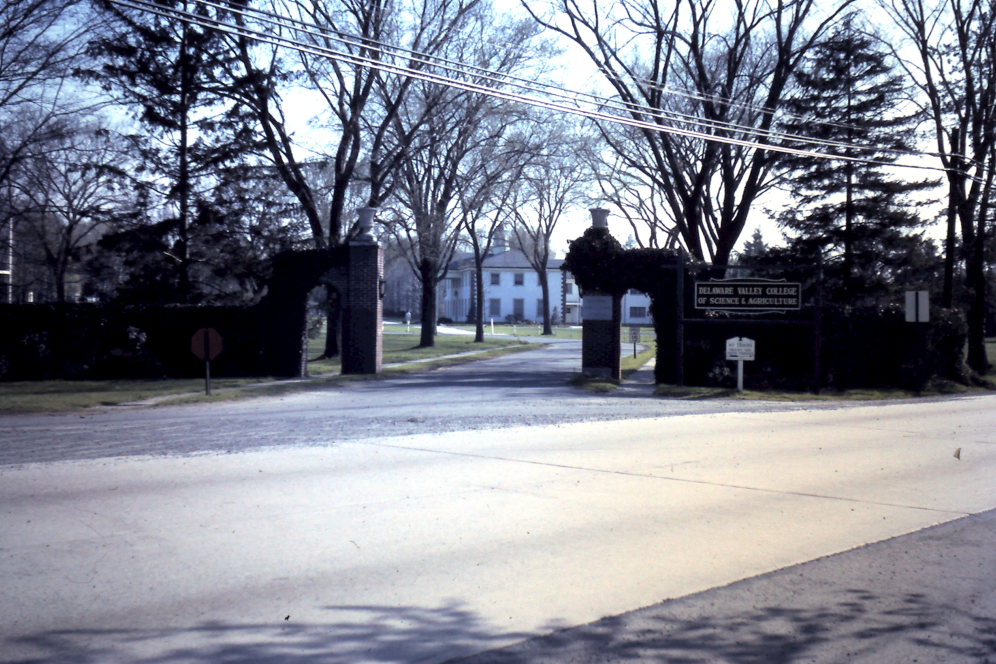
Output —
(443, 163)
(66, 195)
(427, 189)
(717, 69)
(551, 184)
(362, 98)
(487, 191)
(956, 72)
(40, 42)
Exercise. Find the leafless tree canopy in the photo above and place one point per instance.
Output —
(715, 68)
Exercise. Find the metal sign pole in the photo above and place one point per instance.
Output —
(207, 363)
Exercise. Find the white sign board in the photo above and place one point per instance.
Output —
(917, 306)
(740, 348)
(634, 335)
(596, 307)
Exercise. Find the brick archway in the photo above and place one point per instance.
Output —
(355, 270)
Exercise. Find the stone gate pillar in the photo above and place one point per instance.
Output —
(363, 313)
(601, 325)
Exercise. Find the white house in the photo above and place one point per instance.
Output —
(511, 288)
(636, 308)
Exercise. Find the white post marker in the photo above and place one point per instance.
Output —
(917, 306)
(740, 349)
(918, 311)
(634, 336)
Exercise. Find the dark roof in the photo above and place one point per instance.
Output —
(511, 259)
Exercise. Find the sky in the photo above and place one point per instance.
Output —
(576, 74)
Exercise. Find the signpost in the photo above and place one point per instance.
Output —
(634, 336)
(740, 349)
(206, 345)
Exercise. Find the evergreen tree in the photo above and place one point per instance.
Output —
(171, 72)
(848, 208)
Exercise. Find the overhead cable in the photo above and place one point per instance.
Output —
(418, 74)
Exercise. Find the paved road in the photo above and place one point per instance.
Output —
(523, 389)
(926, 597)
(441, 516)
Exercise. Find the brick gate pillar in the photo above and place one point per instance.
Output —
(601, 324)
(363, 313)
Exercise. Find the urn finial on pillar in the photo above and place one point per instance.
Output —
(599, 218)
(365, 223)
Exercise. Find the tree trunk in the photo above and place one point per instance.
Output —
(849, 232)
(950, 242)
(333, 324)
(545, 286)
(183, 179)
(977, 359)
(427, 273)
(479, 294)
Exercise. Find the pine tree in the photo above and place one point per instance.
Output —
(170, 72)
(848, 208)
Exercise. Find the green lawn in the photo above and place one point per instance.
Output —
(402, 347)
(559, 331)
(56, 396)
(991, 354)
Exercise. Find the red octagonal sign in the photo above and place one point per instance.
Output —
(206, 343)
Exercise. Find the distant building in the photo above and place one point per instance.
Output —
(511, 289)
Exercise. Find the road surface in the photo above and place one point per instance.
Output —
(440, 516)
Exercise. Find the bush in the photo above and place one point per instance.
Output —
(876, 347)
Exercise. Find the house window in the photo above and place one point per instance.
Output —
(569, 288)
(494, 307)
(637, 312)
(496, 278)
(539, 309)
(519, 308)
(520, 279)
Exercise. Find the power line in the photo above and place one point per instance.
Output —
(537, 86)
(417, 74)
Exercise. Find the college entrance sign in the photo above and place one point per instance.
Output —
(748, 295)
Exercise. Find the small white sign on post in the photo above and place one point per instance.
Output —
(740, 349)
(634, 337)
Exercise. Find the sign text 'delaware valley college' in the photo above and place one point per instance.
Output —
(748, 295)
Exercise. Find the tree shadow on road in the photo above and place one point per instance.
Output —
(858, 626)
(362, 633)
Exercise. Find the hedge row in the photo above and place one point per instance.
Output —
(860, 347)
(870, 347)
(99, 341)
(92, 341)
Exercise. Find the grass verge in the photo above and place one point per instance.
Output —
(61, 396)
(404, 348)
(629, 365)
(285, 387)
